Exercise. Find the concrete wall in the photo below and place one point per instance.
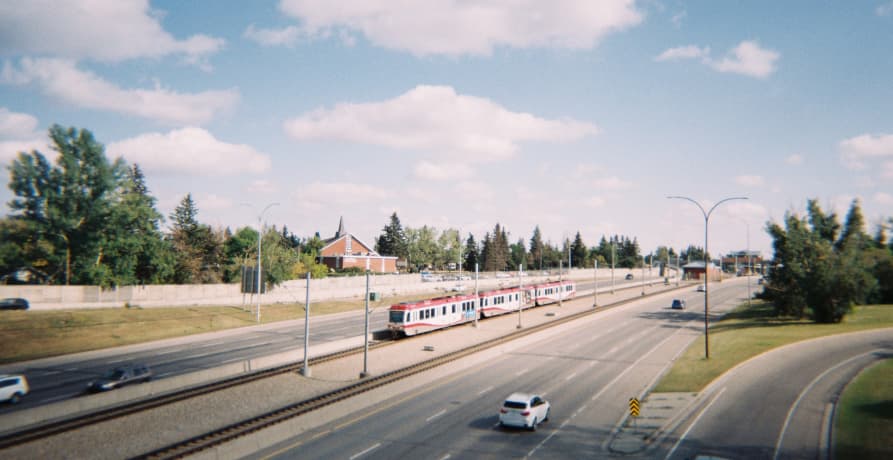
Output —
(294, 291)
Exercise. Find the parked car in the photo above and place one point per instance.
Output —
(678, 304)
(629, 276)
(428, 277)
(120, 376)
(702, 288)
(503, 275)
(524, 410)
(13, 388)
(13, 304)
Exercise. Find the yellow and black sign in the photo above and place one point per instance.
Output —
(634, 407)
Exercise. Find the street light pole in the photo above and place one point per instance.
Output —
(706, 267)
(260, 230)
(612, 267)
(595, 289)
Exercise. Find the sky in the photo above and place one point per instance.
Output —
(571, 115)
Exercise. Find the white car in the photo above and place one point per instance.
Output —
(13, 387)
(524, 410)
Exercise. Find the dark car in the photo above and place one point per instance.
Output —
(13, 304)
(678, 304)
(629, 276)
(120, 376)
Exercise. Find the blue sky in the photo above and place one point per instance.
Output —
(571, 115)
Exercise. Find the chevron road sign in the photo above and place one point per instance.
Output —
(634, 407)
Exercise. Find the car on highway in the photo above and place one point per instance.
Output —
(524, 410)
(13, 388)
(629, 276)
(13, 304)
(678, 304)
(121, 376)
(701, 288)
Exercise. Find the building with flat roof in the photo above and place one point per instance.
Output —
(345, 250)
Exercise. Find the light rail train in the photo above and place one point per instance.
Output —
(417, 317)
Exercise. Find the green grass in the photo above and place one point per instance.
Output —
(747, 332)
(36, 334)
(863, 427)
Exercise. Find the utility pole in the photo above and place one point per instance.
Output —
(305, 371)
(595, 289)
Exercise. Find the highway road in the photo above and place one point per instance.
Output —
(780, 404)
(65, 377)
(587, 369)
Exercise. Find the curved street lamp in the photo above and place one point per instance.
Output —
(706, 267)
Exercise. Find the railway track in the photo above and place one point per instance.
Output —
(246, 427)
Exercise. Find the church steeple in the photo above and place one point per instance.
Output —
(340, 227)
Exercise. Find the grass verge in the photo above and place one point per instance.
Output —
(747, 332)
(27, 335)
(863, 427)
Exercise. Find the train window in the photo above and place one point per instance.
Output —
(444, 309)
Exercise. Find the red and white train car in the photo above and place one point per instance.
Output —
(411, 318)
(502, 301)
(551, 292)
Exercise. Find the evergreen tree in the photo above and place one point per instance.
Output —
(392, 241)
(67, 206)
(854, 229)
(518, 255)
(536, 249)
(579, 253)
(472, 254)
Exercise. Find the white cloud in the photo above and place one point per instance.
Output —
(111, 30)
(440, 171)
(456, 28)
(795, 159)
(683, 52)
(594, 202)
(856, 151)
(887, 170)
(63, 80)
(883, 198)
(749, 181)
(319, 195)
(586, 170)
(748, 59)
(884, 9)
(15, 125)
(286, 36)
(612, 183)
(261, 186)
(212, 202)
(18, 133)
(10, 149)
(190, 151)
(434, 119)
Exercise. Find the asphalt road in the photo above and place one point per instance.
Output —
(588, 372)
(780, 404)
(65, 377)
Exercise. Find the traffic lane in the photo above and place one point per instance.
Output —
(760, 408)
(576, 379)
(58, 382)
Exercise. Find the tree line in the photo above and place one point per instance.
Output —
(428, 248)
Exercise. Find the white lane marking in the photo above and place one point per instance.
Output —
(695, 422)
(118, 360)
(445, 457)
(443, 411)
(611, 351)
(158, 376)
(485, 390)
(360, 454)
(784, 428)
(521, 372)
(605, 388)
(825, 438)
(570, 376)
